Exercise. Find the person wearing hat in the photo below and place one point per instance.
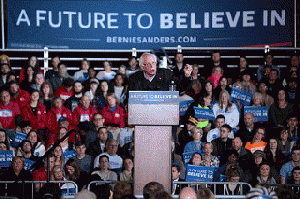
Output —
(66, 90)
(94, 83)
(253, 166)
(185, 135)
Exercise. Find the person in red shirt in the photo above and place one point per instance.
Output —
(84, 111)
(57, 112)
(112, 112)
(18, 95)
(66, 90)
(41, 174)
(8, 111)
(35, 112)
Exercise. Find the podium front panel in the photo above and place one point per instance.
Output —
(153, 108)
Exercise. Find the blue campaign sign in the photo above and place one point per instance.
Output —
(18, 138)
(28, 163)
(148, 24)
(69, 154)
(6, 158)
(199, 173)
(242, 96)
(183, 106)
(70, 191)
(204, 113)
(261, 113)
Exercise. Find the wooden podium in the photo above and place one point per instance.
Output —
(153, 113)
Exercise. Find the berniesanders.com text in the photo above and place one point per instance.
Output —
(179, 39)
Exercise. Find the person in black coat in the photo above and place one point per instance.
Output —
(17, 173)
(151, 78)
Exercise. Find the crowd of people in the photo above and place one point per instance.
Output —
(78, 123)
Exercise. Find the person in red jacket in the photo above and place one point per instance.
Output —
(33, 62)
(35, 112)
(66, 90)
(112, 112)
(8, 111)
(55, 113)
(18, 95)
(84, 111)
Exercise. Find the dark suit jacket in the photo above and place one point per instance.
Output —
(179, 186)
(94, 149)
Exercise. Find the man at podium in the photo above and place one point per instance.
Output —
(151, 78)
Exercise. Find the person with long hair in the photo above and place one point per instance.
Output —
(35, 112)
(74, 173)
(264, 177)
(128, 167)
(202, 100)
(59, 156)
(263, 89)
(47, 95)
(104, 172)
(295, 180)
(38, 147)
(280, 110)
(257, 142)
(119, 88)
(32, 62)
(232, 174)
(113, 113)
(274, 155)
(285, 142)
(29, 78)
(228, 109)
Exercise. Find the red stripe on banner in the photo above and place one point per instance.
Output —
(273, 45)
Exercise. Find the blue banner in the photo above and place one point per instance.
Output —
(28, 163)
(199, 173)
(148, 24)
(18, 138)
(261, 113)
(204, 113)
(68, 191)
(183, 106)
(242, 96)
(6, 158)
(69, 154)
(153, 97)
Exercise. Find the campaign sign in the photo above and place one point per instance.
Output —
(204, 113)
(69, 154)
(68, 191)
(261, 113)
(242, 96)
(187, 156)
(6, 158)
(183, 106)
(28, 163)
(148, 24)
(18, 138)
(199, 173)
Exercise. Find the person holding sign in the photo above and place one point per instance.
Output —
(209, 160)
(196, 144)
(228, 109)
(203, 102)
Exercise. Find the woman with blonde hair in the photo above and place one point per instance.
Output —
(227, 108)
(208, 159)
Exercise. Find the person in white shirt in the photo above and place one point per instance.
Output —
(215, 133)
(115, 161)
(107, 74)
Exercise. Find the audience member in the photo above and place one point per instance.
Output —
(285, 171)
(82, 75)
(53, 73)
(107, 74)
(18, 95)
(38, 81)
(209, 160)
(104, 172)
(74, 173)
(85, 161)
(84, 111)
(215, 132)
(247, 128)
(65, 90)
(176, 178)
(151, 189)
(196, 144)
(187, 193)
(257, 142)
(127, 174)
(223, 143)
(47, 95)
(72, 102)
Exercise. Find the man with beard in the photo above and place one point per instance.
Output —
(72, 102)
(215, 61)
(292, 92)
(5, 68)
